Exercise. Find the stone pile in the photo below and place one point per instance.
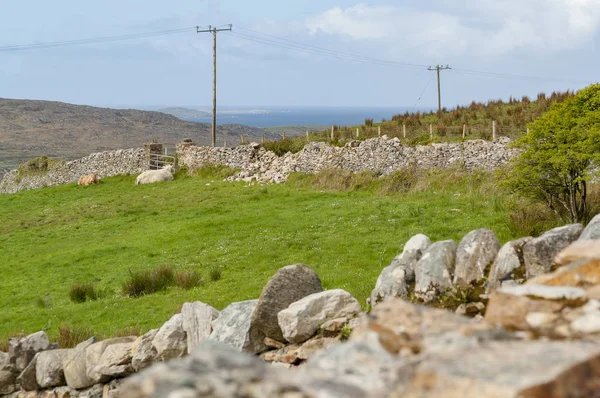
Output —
(104, 164)
(540, 336)
(381, 155)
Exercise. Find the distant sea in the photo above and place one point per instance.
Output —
(300, 116)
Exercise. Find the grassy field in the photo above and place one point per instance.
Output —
(55, 237)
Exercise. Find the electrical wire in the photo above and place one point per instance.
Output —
(423, 92)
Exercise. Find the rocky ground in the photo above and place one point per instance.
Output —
(532, 331)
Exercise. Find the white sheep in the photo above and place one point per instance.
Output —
(150, 176)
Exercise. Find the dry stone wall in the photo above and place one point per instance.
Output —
(381, 155)
(105, 164)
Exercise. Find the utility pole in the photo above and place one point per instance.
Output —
(439, 68)
(214, 31)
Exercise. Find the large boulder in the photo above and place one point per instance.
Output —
(22, 350)
(289, 284)
(474, 255)
(232, 327)
(533, 369)
(75, 367)
(303, 318)
(93, 354)
(539, 252)
(143, 352)
(508, 261)
(197, 320)
(394, 279)
(8, 380)
(28, 379)
(592, 230)
(171, 340)
(433, 272)
(116, 360)
(49, 368)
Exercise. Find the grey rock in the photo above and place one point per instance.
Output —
(592, 230)
(393, 280)
(27, 379)
(75, 368)
(197, 320)
(3, 359)
(232, 327)
(95, 391)
(475, 253)
(508, 260)
(116, 360)
(289, 284)
(49, 368)
(144, 353)
(433, 272)
(66, 392)
(93, 354)
(8, 380)
(539, 252)
(171, 340)
(546, 292)
(533, 369)
(303, 318)
(22, 350)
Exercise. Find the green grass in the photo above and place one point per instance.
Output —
(54, 237)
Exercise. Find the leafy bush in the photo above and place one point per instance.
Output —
(151, 281)
(81, 292)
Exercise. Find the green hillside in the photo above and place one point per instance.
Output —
(53, 238)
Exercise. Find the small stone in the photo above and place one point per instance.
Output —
(273, 343)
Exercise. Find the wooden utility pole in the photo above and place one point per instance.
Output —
(438, 69)
(214, 31)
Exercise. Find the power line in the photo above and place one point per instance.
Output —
(106, 39)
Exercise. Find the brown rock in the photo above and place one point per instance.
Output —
(314, 345)
(579, 250)
(584, 273)
(273, 343)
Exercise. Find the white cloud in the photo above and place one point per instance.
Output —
(479, 27)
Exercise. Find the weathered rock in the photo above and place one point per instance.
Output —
(393, 280)
(539, 252)
(316, 345)
(232, 327)
(289, 284)
(49, 368)
(116, 360)
(95, 391)
(509, 306)
(144, 353)
(584, 273)
(304, 317)
(475, 253)
(433, 272)
(75, 367)
(66, 392)
(93, 354)
(333, 326)
(579, 250)
(8, 380)
(506, 370)
(508, 261)
(170, 340)
(22, 350)
(592, 230)
(197, 319)
(27, 379)
(470, 309)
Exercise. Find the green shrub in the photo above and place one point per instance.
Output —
(281, 147)
(81, 292)
(399, 181)
(532, 219)
(188, 279)
(36, 167)
(151, 281)
(215, 273)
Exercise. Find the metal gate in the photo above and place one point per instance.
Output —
(158, 161)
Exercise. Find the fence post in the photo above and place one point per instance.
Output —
(464, 130)
(357, 133)
(404, 130)
(307, 139)
(378, 131)
(242, 138)
(493, 130)
(332, 132)
(262, 139)
(284, 135)
(431, 131)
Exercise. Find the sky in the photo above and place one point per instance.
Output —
(297, 53)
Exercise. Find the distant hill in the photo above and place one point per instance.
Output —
(29, 129)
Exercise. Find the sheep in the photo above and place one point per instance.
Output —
(88, 180)
(150, 176)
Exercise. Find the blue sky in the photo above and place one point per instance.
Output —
(552, 39)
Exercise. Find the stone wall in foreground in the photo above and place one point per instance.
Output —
(381, 155)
